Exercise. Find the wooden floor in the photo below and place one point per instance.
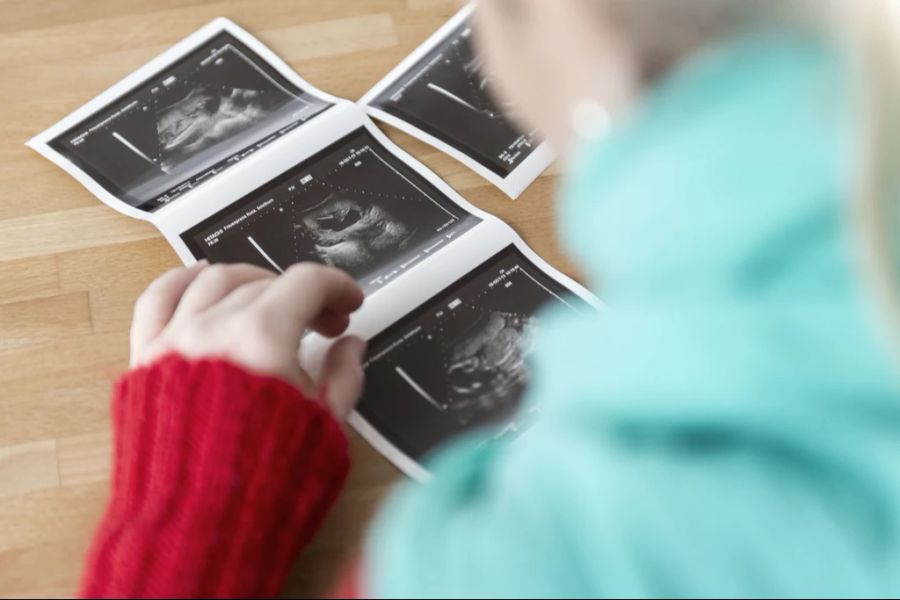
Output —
(71, 268)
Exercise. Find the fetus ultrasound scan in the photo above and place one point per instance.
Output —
(460, 360)
(353, 206)
(446, 94)
(203, 114)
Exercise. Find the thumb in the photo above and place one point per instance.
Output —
(342, 375)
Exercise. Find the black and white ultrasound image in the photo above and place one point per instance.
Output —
(460, 361)
(446, 94)
(353, 206)
(205, 113)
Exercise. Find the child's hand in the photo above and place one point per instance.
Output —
(255, 319)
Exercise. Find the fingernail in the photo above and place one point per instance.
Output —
(361, 347)
(203, 262)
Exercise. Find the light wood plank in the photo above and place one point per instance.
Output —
(128, 269)
(55, 232)
(43, 571)
(44, 319)
(28, 278)
(84, 458)
(28, 468)
(331, 38)
(49, 516)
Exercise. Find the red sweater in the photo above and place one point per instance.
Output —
(220, 477)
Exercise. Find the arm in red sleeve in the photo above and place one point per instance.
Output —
(220, 477)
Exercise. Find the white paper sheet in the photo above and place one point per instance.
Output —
(439, 95)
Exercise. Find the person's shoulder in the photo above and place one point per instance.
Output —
(575, 507)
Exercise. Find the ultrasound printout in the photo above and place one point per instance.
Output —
(459, 361)
(445, 94)
(199, 116)
(353, 206)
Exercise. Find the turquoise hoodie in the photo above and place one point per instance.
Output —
(730, 426)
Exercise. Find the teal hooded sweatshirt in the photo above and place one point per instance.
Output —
(730, 425)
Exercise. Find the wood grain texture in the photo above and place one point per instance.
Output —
(71, 268)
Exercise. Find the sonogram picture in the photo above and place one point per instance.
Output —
(441, 95)
(185, 123)
(353, 206)
(460, 359)
(236, 158)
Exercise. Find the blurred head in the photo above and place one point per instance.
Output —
(874, 30)
(542, 57)
(548, 57)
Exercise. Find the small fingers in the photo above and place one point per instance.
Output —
(305, 292)
(214, 284)
(330, 324)
(342, 375)
(155, 306)
(241, 297)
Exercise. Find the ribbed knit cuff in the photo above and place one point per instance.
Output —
(220, 477)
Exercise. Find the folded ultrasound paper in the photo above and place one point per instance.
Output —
(235, 158)
(440, 94)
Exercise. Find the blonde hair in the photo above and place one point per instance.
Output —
(663, 31)
(875, 40)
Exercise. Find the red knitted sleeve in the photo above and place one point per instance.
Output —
(220, 477)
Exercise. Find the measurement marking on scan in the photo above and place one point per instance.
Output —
(264, 255)
(131, 147)
(412, 383)
(217, 53)
(546, 289)
(451, 96)
(421, 191)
